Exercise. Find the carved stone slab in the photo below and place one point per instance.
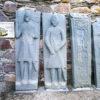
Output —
(27, 49)
(55, 68)
(96, 35)
(81, 50)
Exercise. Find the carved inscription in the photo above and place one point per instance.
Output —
(81, 47)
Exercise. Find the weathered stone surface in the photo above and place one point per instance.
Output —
(76, 1)
(8, 68)
(10, 6)
(56, 1)
(69, 54)
(23, 0)
(3, 17)
(84, 95)
(81, 10)
(54, 29)
(5, 44)
(2, 87)
(91, 1)
(10, 54)
(63, 8)
(95, 9)
(96, 36)
(10, 77)
(1, 72)
(9, 86)
(65, 1)
(81, 50)
(98, 1)
(1, 6)
(43, 8)
(27, 49)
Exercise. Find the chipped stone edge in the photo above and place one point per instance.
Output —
(59, 90)
(98, 89)
(25, 92)
(79, 15)
(83, 89)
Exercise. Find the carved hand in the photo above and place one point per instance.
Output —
(36, 37)
(52, 52)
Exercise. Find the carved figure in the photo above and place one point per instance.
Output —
(55, 40)
(26, 56)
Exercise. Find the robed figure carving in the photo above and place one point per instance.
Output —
(55, 41)
(27, 38)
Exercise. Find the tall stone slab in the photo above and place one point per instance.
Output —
(81, 50)
(55, 68)
(27, 49)
(96, 37)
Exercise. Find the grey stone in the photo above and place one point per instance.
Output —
(81, 50)
(27, 49)
(5, 44)
(9, 68)
(54, 29)
(2, 86)
(43, 8)
(96, 36)
(10, 6)
(1, 6)
(3, 17)
(1, 72)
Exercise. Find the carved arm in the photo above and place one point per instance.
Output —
(18, 32)
(35, 35)
(47, 42)
(63, 36)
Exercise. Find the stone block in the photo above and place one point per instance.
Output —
(96, 37)
(81, 50)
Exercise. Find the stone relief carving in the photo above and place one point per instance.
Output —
(54, 51)
(96, 37)
(81, 48)
(27, 49)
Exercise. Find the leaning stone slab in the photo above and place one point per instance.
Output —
(81, 50)
(55, 68)
(96, 36)
(27, 49)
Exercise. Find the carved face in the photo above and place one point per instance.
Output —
(27, 16)
(54, 20)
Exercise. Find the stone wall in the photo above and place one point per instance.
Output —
(7, 46)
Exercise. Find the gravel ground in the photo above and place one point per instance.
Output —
(83, 95)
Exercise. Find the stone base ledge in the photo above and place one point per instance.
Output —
(83, 89)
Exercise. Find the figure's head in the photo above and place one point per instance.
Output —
(54, 20)
(27, 16)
